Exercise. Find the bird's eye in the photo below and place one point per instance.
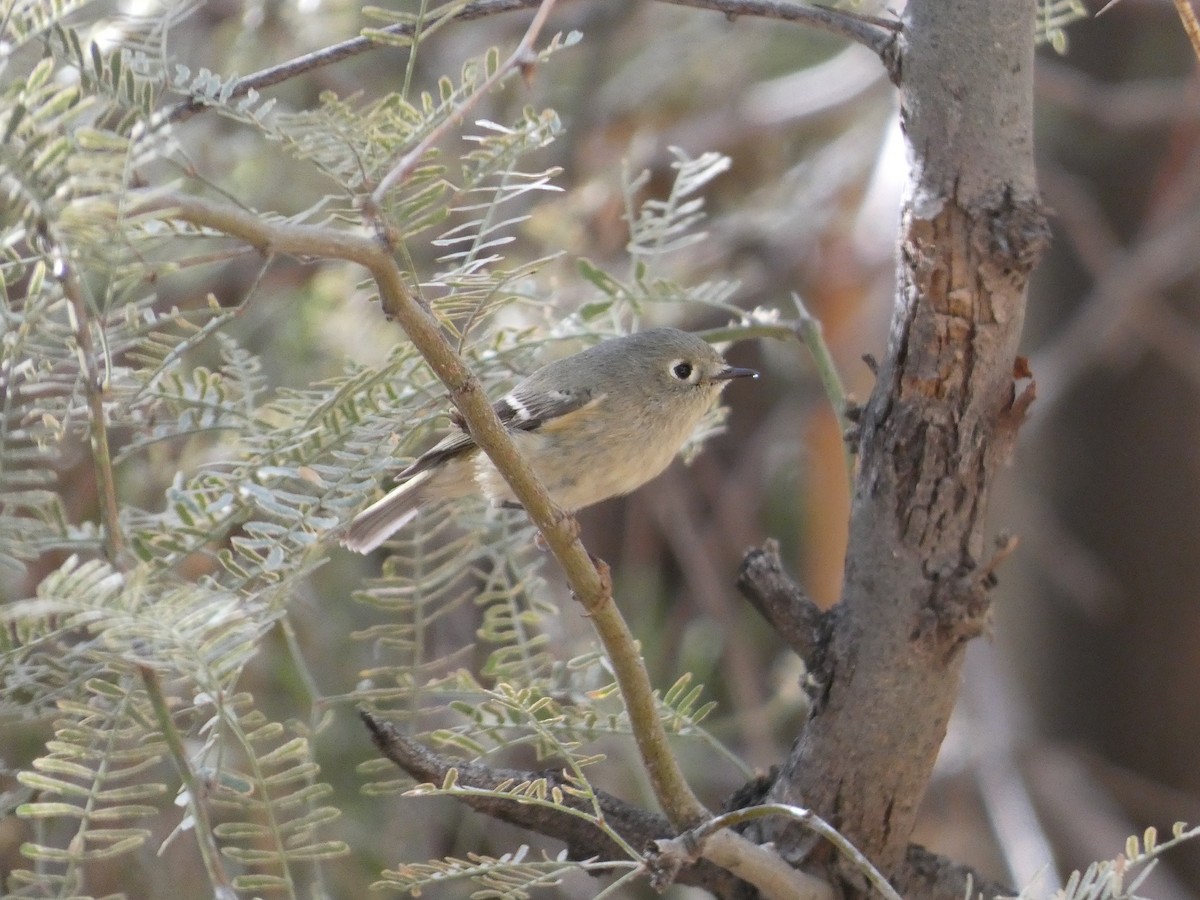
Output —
(682, 370)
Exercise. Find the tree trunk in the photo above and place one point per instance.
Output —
(937, 427)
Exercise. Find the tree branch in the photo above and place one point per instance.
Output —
(880, 36)
(584, 840)
(336, 53)
(781, 601)
(521, 56)
(934, 433)
(687, 845)
(733, 855)
(925, 875)
(94, 386)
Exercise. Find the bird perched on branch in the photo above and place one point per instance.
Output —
(594, 425)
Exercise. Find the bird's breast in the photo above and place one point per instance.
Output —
(593, 462)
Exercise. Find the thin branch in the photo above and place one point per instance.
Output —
(637, 827)
(335, 54)
(809, 328)
(877, 34)
(521, 56)
(94, 385)
(691, 842)
(205, 839)
(781, 601)
(731, 852)
(764, 868)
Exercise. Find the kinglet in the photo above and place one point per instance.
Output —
(594, 425)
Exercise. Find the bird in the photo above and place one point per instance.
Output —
(597, 424)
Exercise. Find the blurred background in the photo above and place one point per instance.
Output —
(1079, 722)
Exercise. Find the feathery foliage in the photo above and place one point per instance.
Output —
(140, 644)
(166, 494)
(511, 875)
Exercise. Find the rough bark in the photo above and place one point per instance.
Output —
(937, 427)
(782, 602)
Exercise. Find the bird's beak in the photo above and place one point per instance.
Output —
(729, 372)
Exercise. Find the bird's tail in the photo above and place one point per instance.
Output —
(386, 516)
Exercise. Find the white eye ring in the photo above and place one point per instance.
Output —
(683, 370)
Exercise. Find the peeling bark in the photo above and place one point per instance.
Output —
(936, 429)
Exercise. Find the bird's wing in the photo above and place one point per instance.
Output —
(454, 444)
(530, 410)
(520, 410)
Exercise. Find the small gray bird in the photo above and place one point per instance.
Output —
(594, 425)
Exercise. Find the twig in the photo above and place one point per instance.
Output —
(692, 841)
(781, 601)
(94, 383)
(336, 53)
(809, 329)
(521, 56)
(878, 35)
(205, 839)
(635, 827)
(764, 868)
(883, 37)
